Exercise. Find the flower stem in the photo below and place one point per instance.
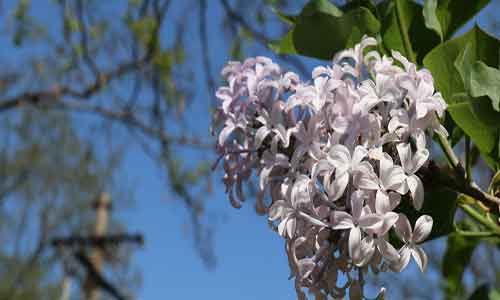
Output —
(404, 34)
(480, 218)
(468, 164)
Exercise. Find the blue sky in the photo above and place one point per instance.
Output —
(251, 262)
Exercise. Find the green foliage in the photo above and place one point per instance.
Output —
(431, 19)
(455, 66)
(404, 18)
(322, 29)
(451, 14)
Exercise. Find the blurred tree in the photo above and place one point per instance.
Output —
(81, 82)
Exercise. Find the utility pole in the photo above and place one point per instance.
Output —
(88, 251)
(102, 205)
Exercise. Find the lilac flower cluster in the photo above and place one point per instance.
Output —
(334, 158)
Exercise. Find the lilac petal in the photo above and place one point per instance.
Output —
(305, 267)
(420, 140)
(263, 177)
(336, 189)
(386, 165)
(291, 225)
(417, 191)
(367, 250)
(320, 167)
(224, 134)
(403, 228)
(340, 125)
(395, 178)
(404, 259)
(387, 250)
(404, 151)
(419, 159)
(340, 156)
(341, 220)
(423, 227)
(357, 201)
(261, 135)
(390, 218)
(382, 203)
(360, 152)
(420, 257)
(276, 210)
(322, 211)
(282, 227)
(394, 199)
(365, 178)
(399, 120)
(355, 243)
(312, 219)
(372, 222)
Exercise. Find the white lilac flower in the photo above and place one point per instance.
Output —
(411, 164)
(334, 156)
(361, 219)
(423, 227)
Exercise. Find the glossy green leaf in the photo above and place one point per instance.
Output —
(285, 45)
(483, 135)
(321, 6)
(322, 29)
(449, 63)
(406, 17)
(478, 78)
(453, 14)
(430, 17)
(484, 81)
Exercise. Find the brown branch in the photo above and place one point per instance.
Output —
(129, 119)
(97, 241)
(205, 46)
(440, 176)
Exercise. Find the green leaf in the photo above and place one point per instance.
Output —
(453, 14)
(484, 81)
(481, 293)
(494, 295)
(478, 78)
(322, 29)
(483, 135)
(289, 19)
(285, 45)
(475, 116)
(458, 253)
(431, 19)
(322, 6)
(409, 20)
